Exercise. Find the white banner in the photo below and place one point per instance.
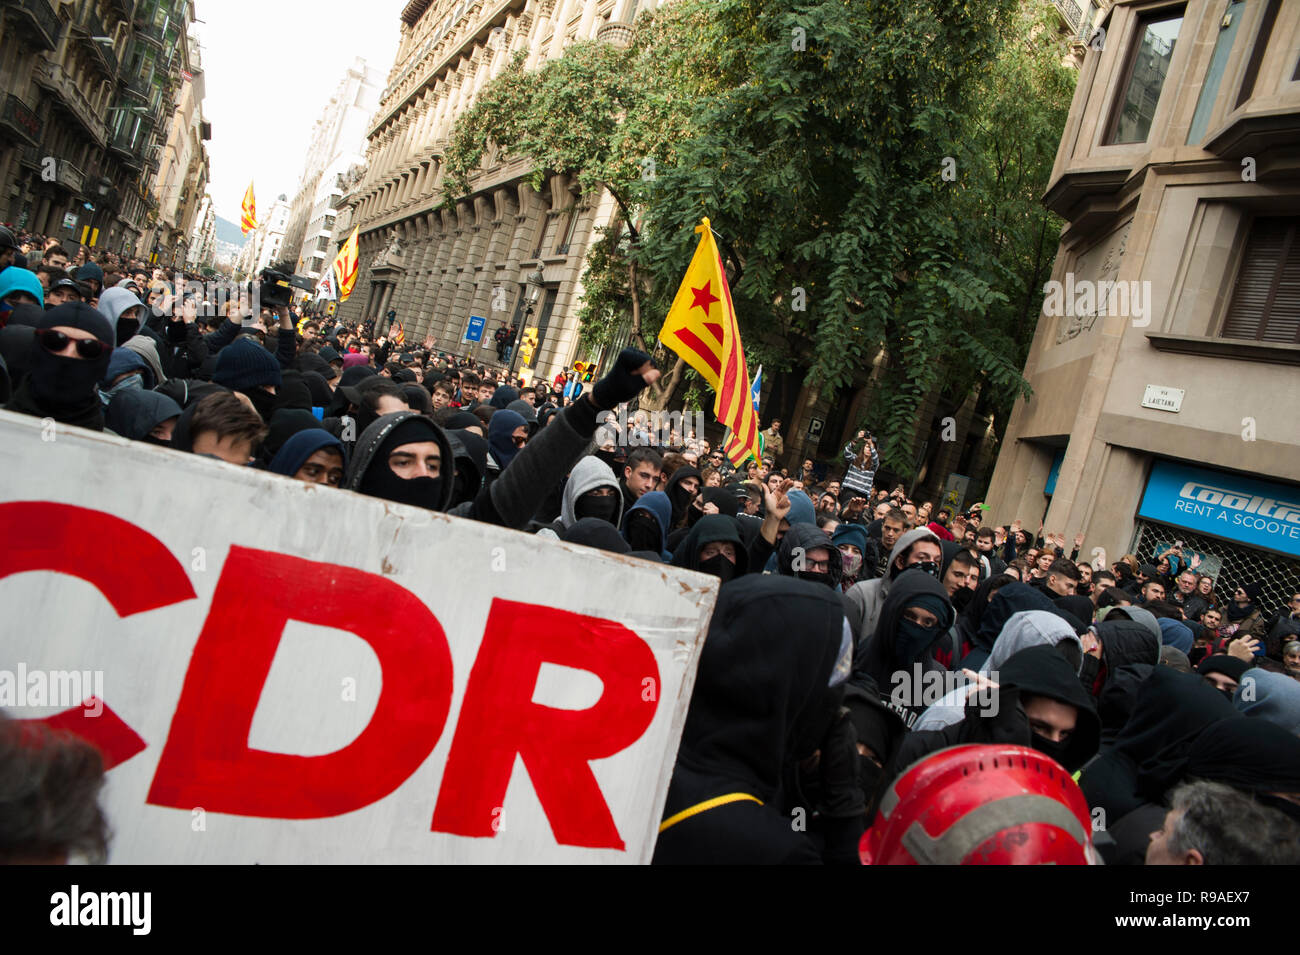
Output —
(285, 672)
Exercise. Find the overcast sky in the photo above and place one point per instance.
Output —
(270, 67)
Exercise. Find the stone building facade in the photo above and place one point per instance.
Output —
(1164, 362)
(436, 267)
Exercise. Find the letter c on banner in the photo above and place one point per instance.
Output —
(207, 761)
(42, 535)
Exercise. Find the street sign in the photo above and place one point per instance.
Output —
(1163, 398)
(268, 689)
(475, 331)
(815, 426)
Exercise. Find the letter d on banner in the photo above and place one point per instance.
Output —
(207, 761)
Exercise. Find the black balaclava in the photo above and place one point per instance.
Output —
(61, 382)
(263, 401)
(607, 456)
(127, 329)
(380, 481)
(719, 566)
(643, 531)
(962, 598)
(592, 505)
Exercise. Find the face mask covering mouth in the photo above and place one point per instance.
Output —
(592, 505)
(1056, 750)
(719, 566)
(852, 563)
(263, 401)
(815, 576)
(913, 640)
(962, 598)
(643, 532)
(126, 384)
(126, 329)
(929, 566)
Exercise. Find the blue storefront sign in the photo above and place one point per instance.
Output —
(1253, 512)
(475, 331)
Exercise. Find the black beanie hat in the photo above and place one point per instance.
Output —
(244, 365)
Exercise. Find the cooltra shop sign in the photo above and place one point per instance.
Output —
(1258, 513)
(295, 676)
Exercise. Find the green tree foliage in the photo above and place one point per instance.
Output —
(820, 138)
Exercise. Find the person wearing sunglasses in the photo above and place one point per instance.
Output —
(70, 356)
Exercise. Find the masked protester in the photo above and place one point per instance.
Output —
(807, 553)
(395, 458)
(913, 623)
(854, 546)
(470, 450)
(1022, 630)
(1171, 711)
(767, 697)
(918, 548)
(123, 310)
(713, 547)
(645, 527)
(1062, 715)
(250, 369)
(142, 416)
(591, 491)
(682, 489)
(73, 344)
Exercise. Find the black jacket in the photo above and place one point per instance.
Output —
(761, 702)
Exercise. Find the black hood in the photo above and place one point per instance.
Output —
(135, 412)
(809, 537)
(1124, 642)
(713, 527)
(762, 687)
(1171, 710)
(1118, 697)
(884, 654)
(384, 431)
(1253, 755)
(724, 498)
(676, 495)
(1042, 671)
(970, 619)
(595, 532)
(470, 451)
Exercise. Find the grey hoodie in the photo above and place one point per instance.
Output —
(864, 600)
(144, 346)
(587, 475)
(114, 301)
(1028, 628)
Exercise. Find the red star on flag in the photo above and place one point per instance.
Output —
(704, 297)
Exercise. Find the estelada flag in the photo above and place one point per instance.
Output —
(248, 221)
(701, 327)
(345, 266)
(398, 336)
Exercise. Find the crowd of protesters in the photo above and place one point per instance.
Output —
(870, 656)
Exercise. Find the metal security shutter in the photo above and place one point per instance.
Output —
(1241, 565)
(1266, 298)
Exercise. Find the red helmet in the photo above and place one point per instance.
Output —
(981, 805)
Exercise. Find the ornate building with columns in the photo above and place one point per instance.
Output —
(436, 267)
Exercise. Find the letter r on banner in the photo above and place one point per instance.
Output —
(207, 762)
(499, 720)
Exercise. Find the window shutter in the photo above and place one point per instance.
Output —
(1266, 299)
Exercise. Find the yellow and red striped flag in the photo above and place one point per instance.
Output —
(345, 266)
(398, 336)
(248, 221)
(701, 327)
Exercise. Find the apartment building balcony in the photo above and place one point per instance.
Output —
(70, 177)
(20, 121)
(91, 32)
(615, 33)
(39, 19)
(52, 77)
